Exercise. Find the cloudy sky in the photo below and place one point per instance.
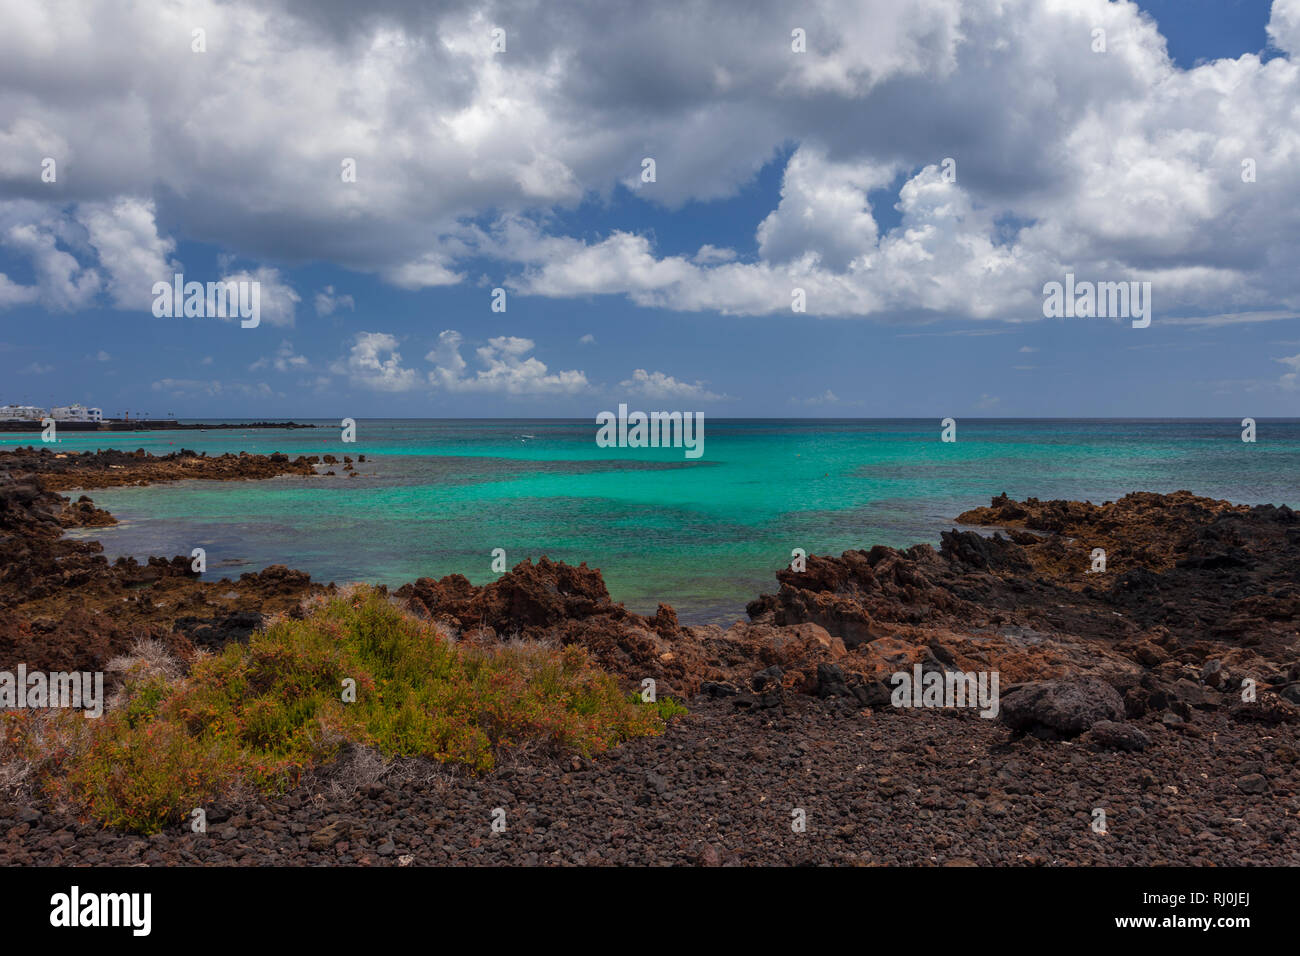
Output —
(521, 169)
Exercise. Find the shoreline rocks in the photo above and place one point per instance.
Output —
(63, 606)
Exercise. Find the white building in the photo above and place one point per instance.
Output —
(11, 413)
(77, 413)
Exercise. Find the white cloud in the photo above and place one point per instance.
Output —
(587, 339)
(327, 302)
(125, 237)
(284, 360)
(62, 284)
(38, 368)
(1114, 166)
(657, 385)
(278, 301)
(709, 255)
(374, 362)
(823, 215)
(428, 271)
(1284, 25)
(507, 369)
(11, 293)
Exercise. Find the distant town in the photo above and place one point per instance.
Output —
(60, 413)
(75, 417)
(78, 417)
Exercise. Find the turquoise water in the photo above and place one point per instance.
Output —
(705, 535)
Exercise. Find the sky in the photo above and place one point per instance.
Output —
(920, 171)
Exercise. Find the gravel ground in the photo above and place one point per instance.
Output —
(920, 787)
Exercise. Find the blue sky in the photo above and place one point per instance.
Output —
(1105, 164)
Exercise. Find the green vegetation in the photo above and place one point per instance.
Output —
(666, 707)
(261, 714)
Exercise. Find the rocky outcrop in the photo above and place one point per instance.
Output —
(59, 471)
(63, 606)
(552, 601)
(1198, 567)
(1195, 597)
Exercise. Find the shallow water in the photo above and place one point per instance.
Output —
(706, 535)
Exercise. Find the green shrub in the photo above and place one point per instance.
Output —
(261, 714)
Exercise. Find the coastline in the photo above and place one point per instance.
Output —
(160, 424)
(1197, 594)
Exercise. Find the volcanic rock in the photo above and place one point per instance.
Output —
(1063, 707)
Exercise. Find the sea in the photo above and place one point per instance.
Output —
(438, 496)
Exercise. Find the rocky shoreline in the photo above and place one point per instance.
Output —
(1121, 690)
(63, 606)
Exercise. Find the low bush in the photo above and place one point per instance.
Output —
(356, 669)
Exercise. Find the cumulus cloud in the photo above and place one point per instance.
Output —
(125, 238)
(1284, 25)
(278, 301)
(374, 363)
(62, 283)
(1117, 165)
(507, 369)
(824, 213)
(657, 385)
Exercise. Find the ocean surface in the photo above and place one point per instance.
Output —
(705, 535)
